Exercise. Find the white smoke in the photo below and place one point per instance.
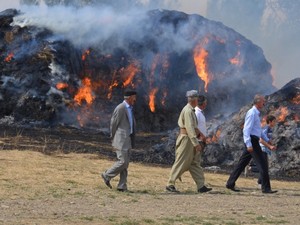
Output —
(82, 26)
(93, 26)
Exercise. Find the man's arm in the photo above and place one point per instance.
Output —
(114, 122)
(269, 146)
(190, 128)
(249, 120)
(264, 136)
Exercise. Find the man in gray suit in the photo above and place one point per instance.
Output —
(122, 128)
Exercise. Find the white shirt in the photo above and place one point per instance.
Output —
(201, 121)
(252, 126)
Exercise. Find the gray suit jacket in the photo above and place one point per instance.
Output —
(120, 128)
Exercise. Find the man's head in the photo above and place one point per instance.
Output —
(202, 102)
(192, 97)
(130, 97)
(271, 120)
(259, 101)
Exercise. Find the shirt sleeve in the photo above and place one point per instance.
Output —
(249, 120)
(264, 135)
(189, 126)
(198, 118)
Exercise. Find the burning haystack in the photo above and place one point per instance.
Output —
(58, 66)
(226, 139)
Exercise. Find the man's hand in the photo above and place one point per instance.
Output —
(198, 148)
(272, 147)
(250, 149)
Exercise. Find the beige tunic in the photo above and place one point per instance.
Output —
(187, 158)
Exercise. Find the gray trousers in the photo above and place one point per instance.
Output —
(119, 167)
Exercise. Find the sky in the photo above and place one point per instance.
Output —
(284, 68)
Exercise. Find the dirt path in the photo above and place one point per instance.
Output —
(67, 189)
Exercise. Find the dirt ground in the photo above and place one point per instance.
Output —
(67, 189)
(40, 186)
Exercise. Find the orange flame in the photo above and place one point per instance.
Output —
(85, 54)
(85, 92)
(296, 100)
(236, 60)
(9, 57)
(215, 138)
(200, 56)
(114, 84)
(152, 96)
(283, 112)
(61, 86)
(163, 100)
(129, 73)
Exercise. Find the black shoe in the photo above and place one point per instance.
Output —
(204, 189)
(106, 181)
(269, 192)
(232, 188)
(171, 188)
(124, 190)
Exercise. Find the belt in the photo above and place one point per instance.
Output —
(183, 131)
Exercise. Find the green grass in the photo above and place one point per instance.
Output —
(149, 221)
(87, 218)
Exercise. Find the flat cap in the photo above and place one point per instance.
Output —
(129, 93)
(192, 94)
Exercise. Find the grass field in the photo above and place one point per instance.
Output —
(67, 189)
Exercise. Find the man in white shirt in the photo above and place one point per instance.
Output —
(202, 103)
(252, 133)
(201, 121)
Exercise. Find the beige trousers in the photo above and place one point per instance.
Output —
(186, 159)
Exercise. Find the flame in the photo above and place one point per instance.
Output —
(163, 100)
(114, 84)
(61, 86)
(236, 60)
(129, 73)
(200, 56)
(85, 92)
(283, 112)
(296, 100)
(85, 54)
(215, 138)
(9, 57)
(152, 96)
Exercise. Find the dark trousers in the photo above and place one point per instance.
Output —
(267, 162)
(259, 159)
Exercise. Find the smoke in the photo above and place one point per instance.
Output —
(271, 24)
(84, 26)
(93, 26)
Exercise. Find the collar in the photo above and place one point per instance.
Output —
(191, 107)
(126, 104)
(256, 110)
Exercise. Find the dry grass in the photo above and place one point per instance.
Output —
(67, 189)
